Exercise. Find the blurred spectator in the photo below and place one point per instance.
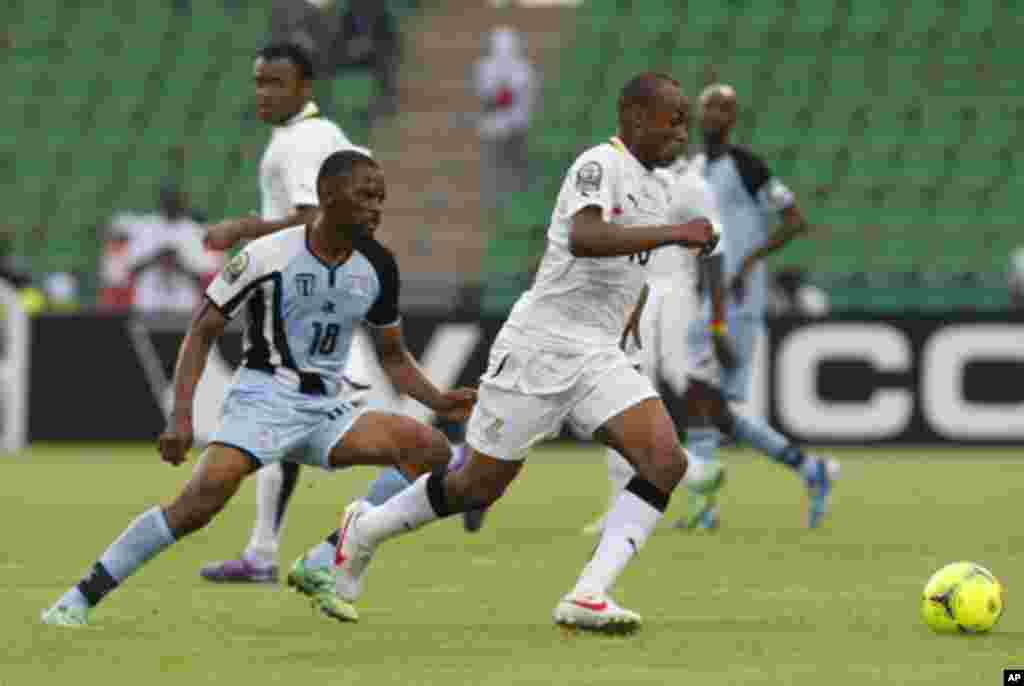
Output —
(61, 290)
(310, 24)
(791, 294)
(117, 292)
(1017, 279)
(167, 259)
(367, 38)
(505, 83)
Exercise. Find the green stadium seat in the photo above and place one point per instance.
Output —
(865, 23)
(812, 19)
(974, 28)
(922, 24)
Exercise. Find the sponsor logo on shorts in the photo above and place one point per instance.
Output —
(493, 432)
(265, 440)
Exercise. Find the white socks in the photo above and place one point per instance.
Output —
(265, 540)
(629, 524)
(405, 512)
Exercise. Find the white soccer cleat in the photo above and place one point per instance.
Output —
(596, 612)
(353, 555)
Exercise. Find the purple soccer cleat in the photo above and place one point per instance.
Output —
(239, 571)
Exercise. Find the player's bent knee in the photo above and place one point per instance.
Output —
(480, 483)
(430, 445)
(668, 466)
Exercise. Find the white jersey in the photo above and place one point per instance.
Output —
(579, 304)
(292, 161)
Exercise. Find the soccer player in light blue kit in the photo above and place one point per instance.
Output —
(304, 289)
(752, 201)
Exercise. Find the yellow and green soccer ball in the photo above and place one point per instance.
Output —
(962, 597)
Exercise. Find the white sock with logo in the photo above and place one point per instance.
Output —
(629, 524)
(405, 512)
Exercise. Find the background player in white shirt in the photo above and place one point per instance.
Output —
(299, 143)
(752, 201)
(557, 359)
(656, 336)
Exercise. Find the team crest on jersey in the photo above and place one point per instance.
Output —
(305, 284)
(359, 284)
(236, 267)
(588, 178)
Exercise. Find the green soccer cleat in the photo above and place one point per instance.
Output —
(58, 615)
(319, 586)
(702, 513)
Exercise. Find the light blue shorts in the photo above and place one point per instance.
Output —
(703, 366)
(271, 422)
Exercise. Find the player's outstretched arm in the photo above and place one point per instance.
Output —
(401, 368)
(592, 236)
(225, 234)
(207, 326)
(793, 224)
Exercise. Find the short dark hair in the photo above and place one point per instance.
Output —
(294, 54)
(643, 88)
(342, 163)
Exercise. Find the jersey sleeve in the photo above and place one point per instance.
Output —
(767, 190)
(590, 182)
(300, 167)
(384, 311)
(236, 283)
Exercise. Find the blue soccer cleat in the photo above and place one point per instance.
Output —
(820, 482)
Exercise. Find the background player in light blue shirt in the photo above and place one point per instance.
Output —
(760, 215)
(304, 290)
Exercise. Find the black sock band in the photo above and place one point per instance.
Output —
(334, 538)
(436, 493)
(649, 493)
(97, 584)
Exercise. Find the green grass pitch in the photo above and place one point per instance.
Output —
(763, 601)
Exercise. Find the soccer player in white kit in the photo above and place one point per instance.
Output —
(557, 359)
(300, 142)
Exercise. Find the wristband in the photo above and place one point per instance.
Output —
(719, 328)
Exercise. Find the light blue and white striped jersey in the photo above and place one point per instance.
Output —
(302, 313)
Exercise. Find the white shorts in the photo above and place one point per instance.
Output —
(670, 309)
(526, 396)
